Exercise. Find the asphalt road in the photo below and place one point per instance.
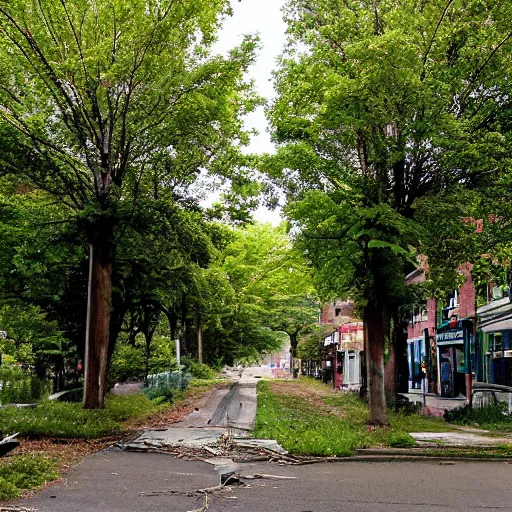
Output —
(114, 481)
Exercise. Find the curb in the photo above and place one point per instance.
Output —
(420, 458)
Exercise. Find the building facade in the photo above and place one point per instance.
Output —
(440, 338)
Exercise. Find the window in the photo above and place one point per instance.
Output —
(337, 311)
(496, 341)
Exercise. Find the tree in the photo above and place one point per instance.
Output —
(100, 100)
(381, 104)
(273, 295)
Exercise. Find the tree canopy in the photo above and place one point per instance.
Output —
(380, 105)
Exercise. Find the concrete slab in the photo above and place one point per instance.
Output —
(188, 437)
(465, 439)
(202, 417)
(241, 412)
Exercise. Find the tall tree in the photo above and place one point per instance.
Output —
(101, 97)
(380, 104)
(274, 296)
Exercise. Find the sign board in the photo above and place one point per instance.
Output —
(451, 337)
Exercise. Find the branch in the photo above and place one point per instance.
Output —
(479, 70)
(434, 35)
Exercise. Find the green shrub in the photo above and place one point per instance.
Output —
(197, 370)
(491, 417)
(167, 385)
(127, 363)
(27, 390)
(401, 440)
(24, 472)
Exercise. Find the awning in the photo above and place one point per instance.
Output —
(493, 307)
(503, 323)
(351, 327)
(495, 316)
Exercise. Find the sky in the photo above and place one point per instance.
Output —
(261, 17)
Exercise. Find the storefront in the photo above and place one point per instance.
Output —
(453, 342)
(416, 352)
(348, 356)
(495, 337)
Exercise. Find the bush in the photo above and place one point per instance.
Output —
(166, 385)
(401, 440)
(198, 370)
(492, 417)
(24, 472)
(127, 363)
(24, 390)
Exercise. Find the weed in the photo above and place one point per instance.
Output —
(491, 417)
(24, 472)
(401, 440)
(62, 419)
(303, 426)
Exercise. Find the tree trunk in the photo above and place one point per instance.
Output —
(375, 332)
(293, 351)
(98, 324)
(390, 373)
(200, 341)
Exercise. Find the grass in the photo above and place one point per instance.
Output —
(25, 472)
(40, 460)
(202, 383)
(307, 418)
(492, 417)
(70, 420)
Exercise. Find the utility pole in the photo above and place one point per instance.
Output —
(200, 341)
(178, 353)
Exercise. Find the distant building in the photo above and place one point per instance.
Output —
(337, 313)
(344, 362)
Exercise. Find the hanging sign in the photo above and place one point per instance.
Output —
(451, 337)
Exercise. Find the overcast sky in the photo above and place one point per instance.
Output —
(261, 17)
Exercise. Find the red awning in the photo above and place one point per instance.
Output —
(351, 327)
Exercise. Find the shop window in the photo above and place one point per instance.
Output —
(496, 341)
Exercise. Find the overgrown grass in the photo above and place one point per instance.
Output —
(203, 383)
(25, 472)
(330, 424)
(70, 420)
(492, 417)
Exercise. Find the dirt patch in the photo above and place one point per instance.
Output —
(313, 395)
(196, 398)
(68, 451)
(298, 389)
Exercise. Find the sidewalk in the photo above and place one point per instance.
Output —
(436, 405)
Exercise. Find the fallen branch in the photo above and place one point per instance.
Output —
(17, 509)
(204, 507)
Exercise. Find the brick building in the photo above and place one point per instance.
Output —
(440, 338)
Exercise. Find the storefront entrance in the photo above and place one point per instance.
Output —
(452, 371)
(452, 348)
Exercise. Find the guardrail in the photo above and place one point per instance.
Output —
(485, 387)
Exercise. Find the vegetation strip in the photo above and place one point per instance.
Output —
(308, 418)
